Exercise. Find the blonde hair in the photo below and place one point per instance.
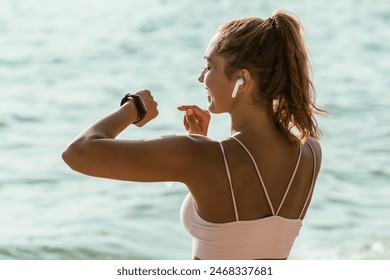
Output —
(274, 52)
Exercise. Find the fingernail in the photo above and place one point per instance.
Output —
(190, 112)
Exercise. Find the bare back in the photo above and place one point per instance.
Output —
(276, 162)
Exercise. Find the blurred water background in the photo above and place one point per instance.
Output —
(64, 64)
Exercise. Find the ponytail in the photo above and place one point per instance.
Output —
(294, 106)
(273, 50)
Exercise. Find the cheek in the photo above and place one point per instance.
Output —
(206, 79)
(210, 80)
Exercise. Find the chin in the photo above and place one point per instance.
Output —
(213, 109)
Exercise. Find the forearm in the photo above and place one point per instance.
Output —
(85, 148)
(95, 146)
(113, 124)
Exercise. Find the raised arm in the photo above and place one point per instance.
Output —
(96, 152)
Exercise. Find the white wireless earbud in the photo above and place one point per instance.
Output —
(239, 82)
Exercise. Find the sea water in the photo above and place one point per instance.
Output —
(64, 64)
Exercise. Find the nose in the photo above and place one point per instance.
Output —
(201, 76)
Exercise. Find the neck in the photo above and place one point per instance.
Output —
(251, 117)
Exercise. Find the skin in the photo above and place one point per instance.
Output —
(196, 160)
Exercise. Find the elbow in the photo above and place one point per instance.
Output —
(67, 156)
(74, 156)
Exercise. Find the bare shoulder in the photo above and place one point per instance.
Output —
(204, 148)
(315, 144)
(197, 143)
(199, 155)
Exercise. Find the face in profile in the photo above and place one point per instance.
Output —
(216, 83)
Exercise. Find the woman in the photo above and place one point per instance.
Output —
(249, 192)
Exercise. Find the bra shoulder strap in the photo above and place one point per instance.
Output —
(230, 180)
(258, 173)
(291, 179)
(312, 179)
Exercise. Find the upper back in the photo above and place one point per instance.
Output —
(275, 160)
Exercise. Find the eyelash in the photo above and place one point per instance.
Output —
(207, 68)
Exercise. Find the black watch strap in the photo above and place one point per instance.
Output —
(139, 103)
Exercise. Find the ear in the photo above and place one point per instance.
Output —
(244, 73)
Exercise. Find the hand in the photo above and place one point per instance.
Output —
(196, 120)
(151, 107)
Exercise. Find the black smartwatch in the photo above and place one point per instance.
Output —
(139, 103)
